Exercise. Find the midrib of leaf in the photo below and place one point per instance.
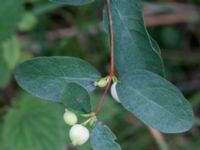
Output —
(66, 77)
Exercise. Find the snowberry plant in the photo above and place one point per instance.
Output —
(136, 79)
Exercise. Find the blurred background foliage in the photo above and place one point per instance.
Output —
(48, 29)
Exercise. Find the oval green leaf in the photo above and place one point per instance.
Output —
(10, 13)
(74, 2)
(134, 48)
(5, 73)
(102, 138)
(155, 101)
(11, 49)
(76, 98)
(46, 77)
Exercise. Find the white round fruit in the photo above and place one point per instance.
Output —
(79, 134)
(70, 118)
(114, 92)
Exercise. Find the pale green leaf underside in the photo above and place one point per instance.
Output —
(34, 124)
(102, 138)
(46, 77)
(10, 13)
(74, 2)
(155, 101)
(134, 48)
(76, 98)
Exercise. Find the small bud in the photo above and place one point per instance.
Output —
(92, 121)
(114, 92)
(87, 115)
(70, 118)
(102, 82)
(114, 79)
(79, 134)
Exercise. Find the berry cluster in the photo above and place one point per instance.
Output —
(79, 133)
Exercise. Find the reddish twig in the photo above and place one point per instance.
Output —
(159, 138)
(156, 134)
(111, 59)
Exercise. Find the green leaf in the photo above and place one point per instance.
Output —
(154, 45)
(155, 101)
(5, 73)
(11, 51)
(34, 125)
(46, 77)
(10, 13)
(2, 147)
(102, 138)
(28, 22)
(133, 46)
(76, 98)
(74, 2)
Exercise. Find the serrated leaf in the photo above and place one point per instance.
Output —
(102, 138)
(10, 13)
(155, 101)
(76, 98)
(34, 125)
(46, 77)
(74, 2)
(11, 51)
(133, 46)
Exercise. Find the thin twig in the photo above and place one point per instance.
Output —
(111, 37)
(104, 96)
(111, 73)
(159, 139)
(156, 134)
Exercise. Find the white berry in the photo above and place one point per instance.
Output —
(79, 134)
(70, 118)
(114, 92)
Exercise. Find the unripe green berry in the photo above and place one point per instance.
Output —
(70, 118)
(114, 92)
(102, 82)
(79, 134)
